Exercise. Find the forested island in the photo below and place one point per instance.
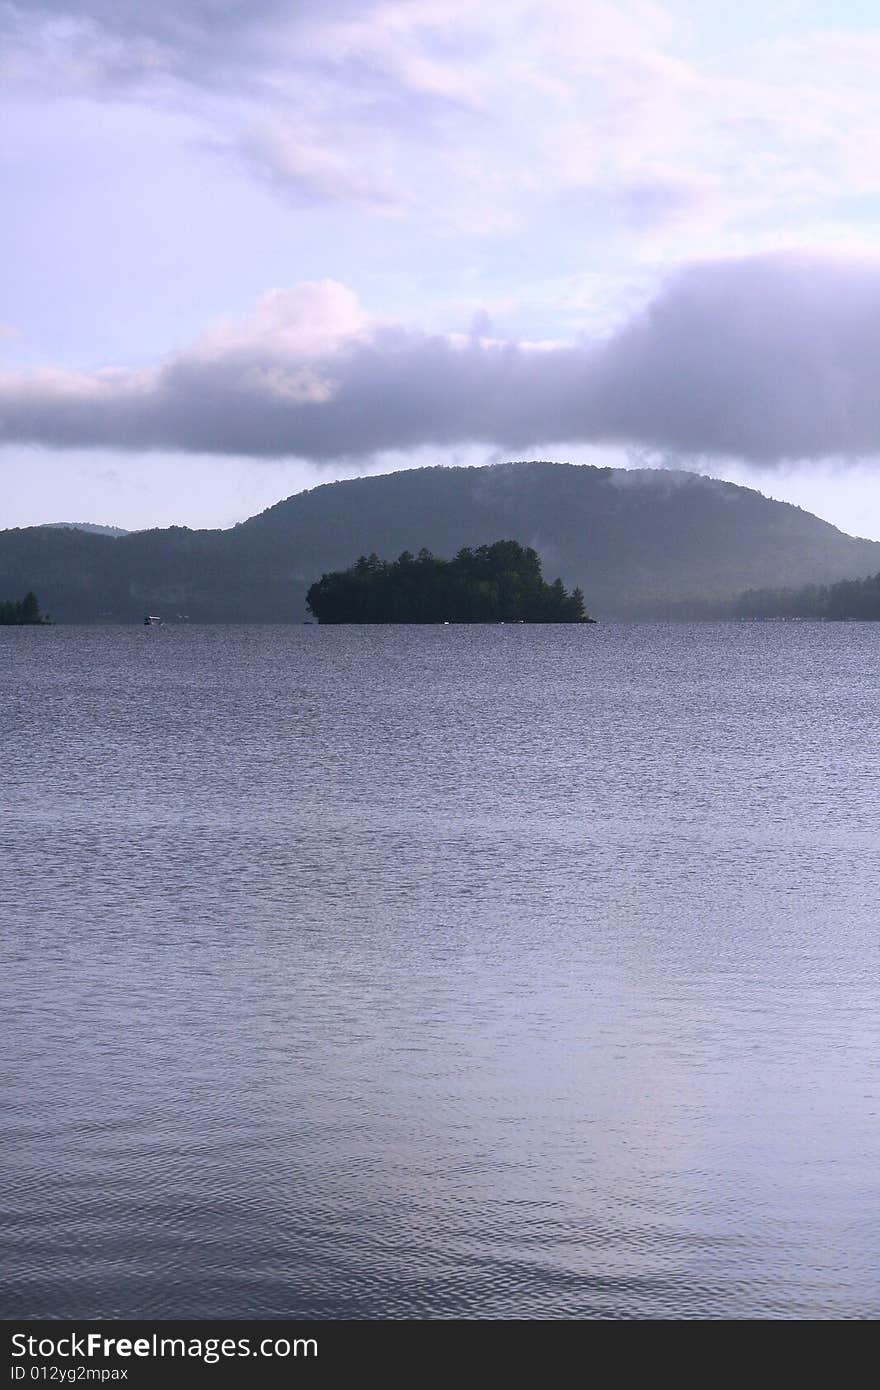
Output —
(24, 614)
(498, 583)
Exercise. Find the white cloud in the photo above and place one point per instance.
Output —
(482, 115)
(305, 321)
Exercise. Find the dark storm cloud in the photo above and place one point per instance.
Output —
(768, 358)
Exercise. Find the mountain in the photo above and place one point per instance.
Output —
(89, 526)
(643, 543)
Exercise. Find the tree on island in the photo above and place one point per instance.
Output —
(492, 584)
(25, 613)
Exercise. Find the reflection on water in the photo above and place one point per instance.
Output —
(491, 972)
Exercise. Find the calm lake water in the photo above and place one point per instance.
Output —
(441, 972)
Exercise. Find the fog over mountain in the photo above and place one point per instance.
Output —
(765, 358)
(92, 526)
(639, 543)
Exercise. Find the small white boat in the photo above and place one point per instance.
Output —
(152, 621)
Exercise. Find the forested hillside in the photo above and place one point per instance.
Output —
(638, 543)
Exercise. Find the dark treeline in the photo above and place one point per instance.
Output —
(26, 612)
(491, 584)
(853, 599)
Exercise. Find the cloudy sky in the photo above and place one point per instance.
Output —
(251, 245)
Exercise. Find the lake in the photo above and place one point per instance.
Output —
(492, 972)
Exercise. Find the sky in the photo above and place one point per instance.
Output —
(250, 246)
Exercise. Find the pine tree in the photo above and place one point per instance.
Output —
(30, 609)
